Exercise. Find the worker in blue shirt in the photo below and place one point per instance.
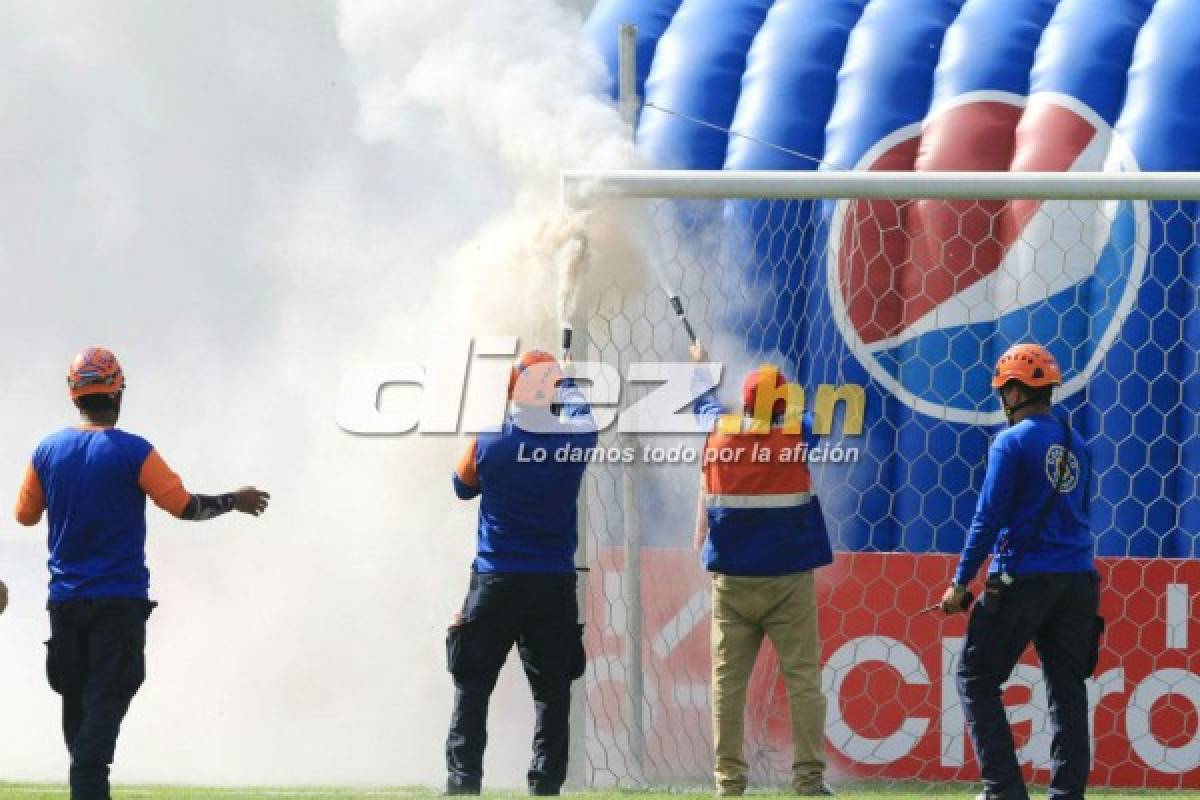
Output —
(1042, 586)
(91, 480)
(522, 590)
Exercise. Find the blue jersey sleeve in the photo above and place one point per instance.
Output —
(574, 403)
(993, 511)
(707, 408)
(576, 414)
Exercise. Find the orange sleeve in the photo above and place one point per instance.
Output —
(466, 466)
(30, 500)
(162, 485)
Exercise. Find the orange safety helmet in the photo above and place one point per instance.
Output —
(1030, 364)
(95, 371)
(534, 379)
(766, 375)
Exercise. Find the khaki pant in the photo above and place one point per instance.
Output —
(784, 609)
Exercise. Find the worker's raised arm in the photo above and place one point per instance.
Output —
(706, 407)
(576, 413)
(165, 488)
(31, 502)
(466, 477)
(700, 534)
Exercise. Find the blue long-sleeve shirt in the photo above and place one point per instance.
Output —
(1021, 473)
(528, 510)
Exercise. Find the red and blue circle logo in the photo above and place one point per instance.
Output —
(928, 293)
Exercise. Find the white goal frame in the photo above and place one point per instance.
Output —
(581, 188)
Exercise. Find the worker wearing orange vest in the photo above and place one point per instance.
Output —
(762, 534)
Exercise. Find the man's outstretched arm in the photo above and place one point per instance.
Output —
(247, 500)
(165, 488)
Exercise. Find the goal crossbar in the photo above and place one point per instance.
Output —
(581, 188)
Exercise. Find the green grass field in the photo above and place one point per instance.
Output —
(22, 791)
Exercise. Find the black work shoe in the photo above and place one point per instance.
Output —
(820, 790)
(543, 791)
(456, 789)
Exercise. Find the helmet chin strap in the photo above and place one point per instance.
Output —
(1010, 411)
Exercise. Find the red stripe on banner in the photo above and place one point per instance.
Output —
(892, 669)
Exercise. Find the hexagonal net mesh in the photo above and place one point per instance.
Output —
(911, 300)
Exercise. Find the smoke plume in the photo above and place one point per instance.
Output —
(240, 199)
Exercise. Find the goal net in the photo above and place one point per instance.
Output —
(897, 292)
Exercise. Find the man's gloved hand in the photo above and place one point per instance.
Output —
(955, 600)
(3, 597)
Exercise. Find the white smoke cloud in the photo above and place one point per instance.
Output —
(240, 198)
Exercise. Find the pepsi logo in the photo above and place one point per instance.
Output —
(928, 293)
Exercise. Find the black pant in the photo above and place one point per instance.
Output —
(96, 660)
(538, 613)
(1057, 612)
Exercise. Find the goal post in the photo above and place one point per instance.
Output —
(581, 188)
(887, 296)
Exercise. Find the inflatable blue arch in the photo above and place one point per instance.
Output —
(956, 84)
